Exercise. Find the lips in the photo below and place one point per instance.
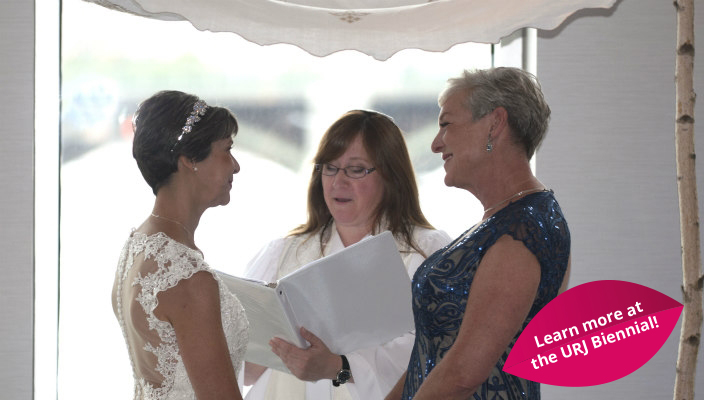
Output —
(446, 157)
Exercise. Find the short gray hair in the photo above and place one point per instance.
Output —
(515, 90)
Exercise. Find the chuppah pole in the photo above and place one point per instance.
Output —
(692, 278)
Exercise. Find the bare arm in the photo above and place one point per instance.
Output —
(193, 309)
(501, 296)
(252, 372)
(397, 390)
(566, 279)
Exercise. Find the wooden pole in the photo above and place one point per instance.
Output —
(692, 278)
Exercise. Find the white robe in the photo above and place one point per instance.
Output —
(375, 370)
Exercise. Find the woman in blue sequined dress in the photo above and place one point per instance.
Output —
(472, 299)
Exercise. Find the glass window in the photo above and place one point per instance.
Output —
(284, 99)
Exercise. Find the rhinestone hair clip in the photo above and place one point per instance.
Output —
(199, 109)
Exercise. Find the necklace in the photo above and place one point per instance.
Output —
(522, 192)
(188, 231)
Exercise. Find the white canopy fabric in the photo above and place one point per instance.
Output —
(378, 28)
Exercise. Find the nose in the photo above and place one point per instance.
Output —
(339, 177)
(235, 164)
(437, 145)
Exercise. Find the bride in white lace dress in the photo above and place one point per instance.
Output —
(186, 334)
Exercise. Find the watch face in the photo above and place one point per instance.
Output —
(344, 376)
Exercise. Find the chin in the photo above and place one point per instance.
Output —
(448, 181)
(225, 201)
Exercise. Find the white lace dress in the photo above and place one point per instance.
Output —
(158, 369)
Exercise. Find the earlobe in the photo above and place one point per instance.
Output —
(190, 164)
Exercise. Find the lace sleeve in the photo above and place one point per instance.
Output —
(175, 262)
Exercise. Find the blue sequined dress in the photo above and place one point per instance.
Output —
(442, 283)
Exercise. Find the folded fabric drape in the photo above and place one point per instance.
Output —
(378, 28)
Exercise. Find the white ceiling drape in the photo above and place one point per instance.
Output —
(378, 28)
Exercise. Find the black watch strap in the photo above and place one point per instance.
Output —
(344, 374)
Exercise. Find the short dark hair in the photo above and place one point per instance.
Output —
(157, 124)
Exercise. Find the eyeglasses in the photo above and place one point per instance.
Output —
(354, 172)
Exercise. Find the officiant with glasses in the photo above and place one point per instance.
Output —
(362, 184)
(473, 299)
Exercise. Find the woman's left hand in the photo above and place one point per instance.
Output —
(311, 364)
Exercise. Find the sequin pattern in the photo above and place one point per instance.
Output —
(175, 262)
(441, 287)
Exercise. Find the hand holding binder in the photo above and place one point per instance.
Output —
(356, 298)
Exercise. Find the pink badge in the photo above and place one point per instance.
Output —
(594, 333)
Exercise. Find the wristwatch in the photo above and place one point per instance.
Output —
(344, 374)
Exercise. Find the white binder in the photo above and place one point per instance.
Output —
(356, 298)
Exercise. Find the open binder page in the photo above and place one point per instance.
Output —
(356, 298)
(267, 320)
